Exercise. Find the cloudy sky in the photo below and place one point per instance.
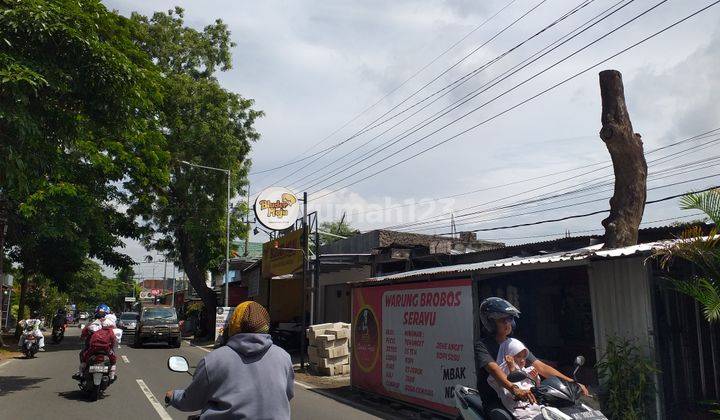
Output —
(375, 82)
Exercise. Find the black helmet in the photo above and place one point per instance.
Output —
(35, 314)
(494, 308)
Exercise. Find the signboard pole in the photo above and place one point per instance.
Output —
(304, 279)
(227, 244)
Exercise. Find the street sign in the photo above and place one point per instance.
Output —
(277, 208)
(221, 315)
(283, 255)
(129, 299)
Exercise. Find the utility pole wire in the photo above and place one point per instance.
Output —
(340, 168)
(424, 86)
(576, 216)
(491, 101)
(524, 101)
(447, 50)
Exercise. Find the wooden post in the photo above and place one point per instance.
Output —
(626, 150)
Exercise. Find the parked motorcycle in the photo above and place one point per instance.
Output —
(560, 399)
(31, 345)
(95, 379)
(58, 333)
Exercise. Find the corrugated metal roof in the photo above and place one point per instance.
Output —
(594, 251)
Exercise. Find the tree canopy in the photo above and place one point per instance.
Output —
(77, 133)
(339, 228)
(204, 124)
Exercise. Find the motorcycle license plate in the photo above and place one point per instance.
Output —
(589, 415)
(98, 369)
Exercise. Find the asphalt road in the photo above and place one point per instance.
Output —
(42, 388)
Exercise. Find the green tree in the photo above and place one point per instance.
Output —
(204, 124)
(339, 228)
(90, 287)
(703, 251)
(79, 138)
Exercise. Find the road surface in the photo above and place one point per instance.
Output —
(42, 388)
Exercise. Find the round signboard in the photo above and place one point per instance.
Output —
(277, 208)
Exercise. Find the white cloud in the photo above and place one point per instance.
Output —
(312, 66)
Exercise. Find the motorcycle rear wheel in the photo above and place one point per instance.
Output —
(96, 393)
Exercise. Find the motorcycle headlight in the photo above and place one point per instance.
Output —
(131, 325)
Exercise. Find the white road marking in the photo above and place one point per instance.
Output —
(153, 401)
(5, 363)
(303, 385)
(198, 347)
(125, 359)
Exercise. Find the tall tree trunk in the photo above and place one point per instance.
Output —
(626, 150)
(21, 303)
(3, 229)
(196, 276)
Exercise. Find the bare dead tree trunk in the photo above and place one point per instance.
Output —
(626, 150)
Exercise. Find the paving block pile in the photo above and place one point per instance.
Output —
(329, 348)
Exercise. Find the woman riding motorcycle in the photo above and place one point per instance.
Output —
(247, 378)
(498, 319)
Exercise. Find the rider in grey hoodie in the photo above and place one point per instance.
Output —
(249, 378)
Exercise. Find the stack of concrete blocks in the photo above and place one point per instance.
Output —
(329, 348)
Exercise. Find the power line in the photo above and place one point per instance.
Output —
(462, 101)
(577, 216)
(439, 223)
(403, 84)
(593, 230)
(508, 91)
(522, 181)
(559, 192)
(447, 89)
(573, 204)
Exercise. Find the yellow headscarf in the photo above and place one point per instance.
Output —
(249, 317)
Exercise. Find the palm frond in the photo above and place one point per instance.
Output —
(705, 291)
(708, 202)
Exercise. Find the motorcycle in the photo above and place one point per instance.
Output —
(180, 364)
(95, 378)
(58, 333)
(31, 345)
(560, 399)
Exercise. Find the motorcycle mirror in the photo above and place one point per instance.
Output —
(580, 360)
(178, 364)
(517, 376)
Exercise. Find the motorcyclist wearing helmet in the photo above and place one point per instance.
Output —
(60, 318)
(498, 318)
(86, 335)
(34, 324)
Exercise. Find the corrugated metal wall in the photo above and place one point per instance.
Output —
(622, 305)
(621, 302)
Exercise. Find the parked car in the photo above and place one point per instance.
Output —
(127, 321)
(158, 324)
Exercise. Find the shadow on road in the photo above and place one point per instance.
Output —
(74, 395)
(10, 384)
(78, 395)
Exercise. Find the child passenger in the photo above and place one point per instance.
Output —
(511, 357)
